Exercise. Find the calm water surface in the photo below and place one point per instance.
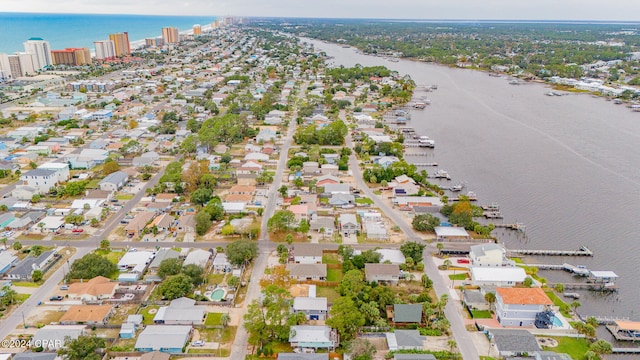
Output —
(567, 166)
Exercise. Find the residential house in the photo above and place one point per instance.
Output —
(266, 135)
(53, 337)
(198, 257)
(221, 263)
(256, 156)
(323, 180)
(139, 222)
(315, 308)
(234, 207)
(411, 189)
(6, 219)
(61, 170)
(163, 222)
(512, 342)
(161, 255)
(407, 313)
(28, 355)
(415, 201)
(247, 173)
(182, 311)
(315, 337)
(405, 340)
(7, 260)
(135, 261)
(332, 189)
(450, 233)
(239, 198)
(382, 272)
(42, 180)
(307, 254)
(301, 212)
(413, 357)
(243, 190)
(114, 181)
(87, 159)
(98, 288)
(323, 222)
(342, 200)
(25, 267)
(163, 338)
(100, 195)
(385, 161)
(519, 306)
(392, 256)
(348, 224)
(127, 330)
(303, 272)
(376, 231)
(86, 314)
(329, 169)
(186, 223)
(489, 254)
(331, 158)
(51, 223)
(148, 158)
(165, 197)
(310, 168)
(501, 277)
(302, 356)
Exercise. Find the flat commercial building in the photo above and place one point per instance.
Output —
(121, 43)
(105, 49)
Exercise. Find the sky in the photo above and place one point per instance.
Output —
(621, 10)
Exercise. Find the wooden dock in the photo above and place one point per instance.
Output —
(578, 270)
(417, 154)
(603, 320)
(516, 226)
(613, 329)
(583, 251)
(425, 164)
(589, 286)
(625, 350)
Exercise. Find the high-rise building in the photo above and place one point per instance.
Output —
(197, 29)
(105, 49)
(41, 51)
(121, 43)
(170, 35)
(21, 64)
(72, 56)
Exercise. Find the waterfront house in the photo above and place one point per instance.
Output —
(314, 308)
(382, 272)
(489, 254)
(449, 233)
(501, 277)
(314, 337)
(519, 306)
(163, 338)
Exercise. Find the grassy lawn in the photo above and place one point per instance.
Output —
(113, 256)
(564, 307)
(124, 196)
(93, 184)
(215, 278)
(462, 276)
(225, 335)
(575, 347)
(31, 236)
(364, 201)
(25, 284)
(330, 259)
(334, 274)
(20, 298)
(481, 314)
(147, 318)
(213, 319)
(329, 292)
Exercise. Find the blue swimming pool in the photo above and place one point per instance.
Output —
(557, 322)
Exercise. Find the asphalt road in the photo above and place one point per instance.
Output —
(240, 344)
(460, 334)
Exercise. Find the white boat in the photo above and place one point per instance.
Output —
(456, 188)
(472, 196)
(442, 174)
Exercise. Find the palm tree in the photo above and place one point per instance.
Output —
(559, 287)
(447, 264)
(439, 246)
(224, 319)
(452, 345)
(4, 242)
(490, 298)
(575, 305)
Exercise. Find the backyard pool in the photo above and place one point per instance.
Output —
(215, 295)
(557, 322)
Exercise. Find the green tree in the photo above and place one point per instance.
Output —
(74, 219)
(17, 245)
(224, 319)
(559, 288)
(75, 188)
(105, 245)
(412, 250)
(528, 282)
(10, 296)
(36, 275)
(574, 306)
(281, 220)
(175, 286)
(110, 167)
(601, 347)
(203, 222)
(352, 283)
(361, 349)
(346, 318)
(169, 267)
(201, 196)
(194, 272)
(82, 348)
(90, 266)
(425, 222)
(303, 227)
(283, 190)
(241, 252)
(490, 297)
(233, 281)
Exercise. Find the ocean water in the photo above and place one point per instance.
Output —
(81, 30)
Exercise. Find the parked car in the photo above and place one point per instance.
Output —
(198, 343)
(77, 230)
(6, 234)
(462, 261)
(64, 287)
(56, 298)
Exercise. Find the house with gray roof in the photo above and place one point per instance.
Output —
(307, 254)
(323, 222)
(24, 268)
(198, 257)
(161, 255)
(382, 272)
(163, 338)
(315, 308)
(513, 342)
(302, 272)
(348, 224)
(315, 337)
(337, 189)
(52, 337)
(114, 181)
(7, 260)
(341, 199)
(407, 313)
(35, 356)
(181, 311)
(42, 180)
(405, 340)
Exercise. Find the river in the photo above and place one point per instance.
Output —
(565, 166)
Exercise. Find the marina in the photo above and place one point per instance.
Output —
(583, 251)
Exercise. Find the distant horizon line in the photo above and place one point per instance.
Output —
(559, 21)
